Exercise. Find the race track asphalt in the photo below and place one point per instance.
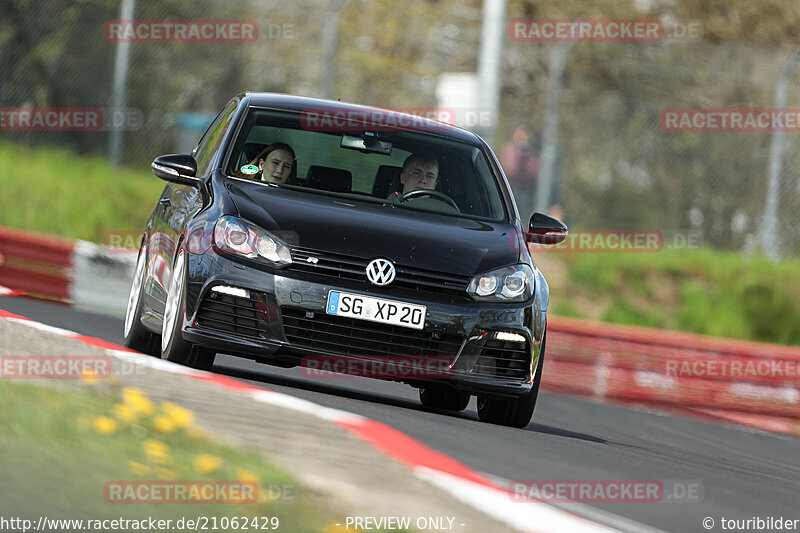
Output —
(743, 473)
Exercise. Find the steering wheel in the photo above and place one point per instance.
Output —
(430, 192)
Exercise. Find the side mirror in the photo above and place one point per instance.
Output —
(177, 168)
(544, 229)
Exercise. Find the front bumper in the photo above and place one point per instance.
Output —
(278, 299)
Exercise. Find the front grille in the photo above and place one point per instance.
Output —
(234, 314)
(505, 359)
(348, 336)
(340, 267)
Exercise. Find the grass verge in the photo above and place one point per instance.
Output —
(55, 191)
(704, 291)
(60, 449)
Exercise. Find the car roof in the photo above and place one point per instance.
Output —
(303, 103)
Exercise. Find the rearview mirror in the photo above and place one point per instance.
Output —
(544, 229)
(367, 142)
(177, 168)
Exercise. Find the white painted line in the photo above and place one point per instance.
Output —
(495, 502)
(304, 406)
(44, 327)
(598, 515)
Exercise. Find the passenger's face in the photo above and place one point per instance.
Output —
(277, 166)
(419, 176)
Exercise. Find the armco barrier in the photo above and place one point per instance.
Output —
(734, 380)
(70, 271)
(606, 362)
(36, 264)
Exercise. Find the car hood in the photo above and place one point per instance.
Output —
(365, 230)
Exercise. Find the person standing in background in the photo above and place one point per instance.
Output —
(520, 160)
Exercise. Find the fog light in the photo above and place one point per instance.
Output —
(232, 291)
(508, 336)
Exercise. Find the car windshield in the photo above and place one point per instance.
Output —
(367, 163)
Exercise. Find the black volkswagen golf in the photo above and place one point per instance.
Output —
(319, 234)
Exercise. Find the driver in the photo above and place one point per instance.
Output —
(420, 171)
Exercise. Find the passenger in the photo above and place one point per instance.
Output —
(276, 163)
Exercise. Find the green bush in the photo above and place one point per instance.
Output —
(56, 191)
(623, 312)
(711, 292)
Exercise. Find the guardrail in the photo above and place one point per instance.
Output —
(747, 382)
(36, 264)
(751, 383)
(69, 271)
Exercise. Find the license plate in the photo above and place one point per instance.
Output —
(376, 309)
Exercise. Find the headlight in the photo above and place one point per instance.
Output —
(508, 284)
(235, 236)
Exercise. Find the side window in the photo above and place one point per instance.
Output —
(209, 144)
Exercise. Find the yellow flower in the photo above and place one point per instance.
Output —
(164, 424)
(137, 400)
(246, 475)
(166, 473)
(157, 451)
(138, 468)
(126, 413)
(205, 463)
(180, 417)
(104, 425)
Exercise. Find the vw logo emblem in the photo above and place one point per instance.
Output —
(380, 272)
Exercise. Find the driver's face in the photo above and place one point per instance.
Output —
(419, 176)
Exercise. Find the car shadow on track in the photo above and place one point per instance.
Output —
(295, 383)
(264, 377)
(559, 432)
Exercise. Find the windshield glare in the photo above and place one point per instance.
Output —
(404, 169)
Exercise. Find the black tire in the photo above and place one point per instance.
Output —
(136, 336)
(443, 397)
(513, 412)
